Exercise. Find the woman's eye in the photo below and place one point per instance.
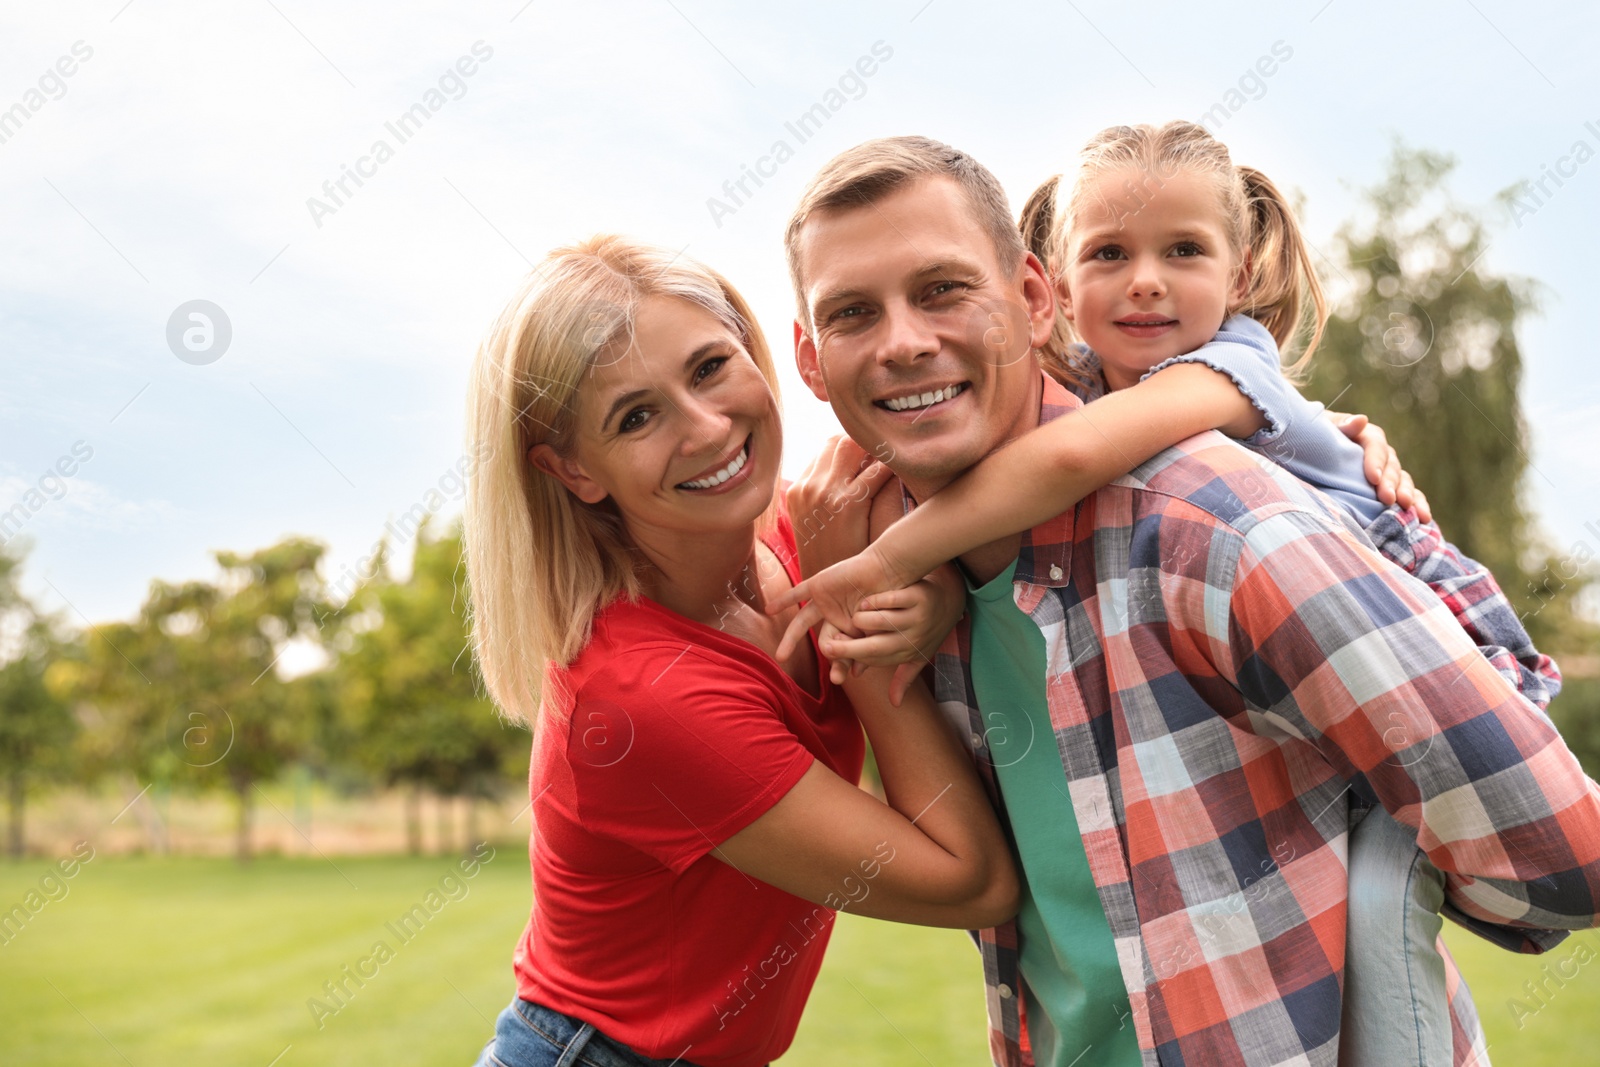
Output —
(709, 367)
(632, 421)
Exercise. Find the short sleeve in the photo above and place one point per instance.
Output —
(674, 749)
(1245, 352)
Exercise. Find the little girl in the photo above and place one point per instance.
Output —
(1165, 253)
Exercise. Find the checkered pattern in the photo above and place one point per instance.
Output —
(1231, 670)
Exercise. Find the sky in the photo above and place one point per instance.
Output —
(159, 153)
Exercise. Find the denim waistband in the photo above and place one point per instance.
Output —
(582, 1044)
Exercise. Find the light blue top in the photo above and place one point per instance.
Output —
(1297, 437)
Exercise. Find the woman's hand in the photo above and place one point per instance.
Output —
(1382, 464)
(829, 507)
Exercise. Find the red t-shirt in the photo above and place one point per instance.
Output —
(675, 736)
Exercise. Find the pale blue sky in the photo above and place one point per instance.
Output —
(176, 162)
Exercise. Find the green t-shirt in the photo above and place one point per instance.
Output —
(1077, 1004)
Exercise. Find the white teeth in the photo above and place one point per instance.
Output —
(911, 403)
(722, 475)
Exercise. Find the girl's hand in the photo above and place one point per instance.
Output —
(1382, 464)
(903, 628)
(829, 507)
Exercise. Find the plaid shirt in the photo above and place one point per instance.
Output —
(1232, 671)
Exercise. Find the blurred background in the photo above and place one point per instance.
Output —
(246, 255)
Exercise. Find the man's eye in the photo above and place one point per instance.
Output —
(632, 421)
(941, 288)
(852, 312)
(709, 367)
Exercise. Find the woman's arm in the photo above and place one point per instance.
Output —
(933, 855)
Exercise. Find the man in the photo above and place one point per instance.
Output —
(1220, 660)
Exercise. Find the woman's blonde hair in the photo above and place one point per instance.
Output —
(1258, 222)
(541, 562)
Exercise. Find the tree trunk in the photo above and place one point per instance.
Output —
(242, 840)
(144, 809)
(447, 835)
(414, 820)
(17, 798)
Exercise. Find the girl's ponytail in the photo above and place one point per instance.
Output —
(1282, 275)
(1038, 225)
(1039, 219)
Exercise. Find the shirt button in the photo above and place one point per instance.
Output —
(1004, 991)
(1055, 572)
(977, 740)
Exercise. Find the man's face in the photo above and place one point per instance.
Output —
(922, 343)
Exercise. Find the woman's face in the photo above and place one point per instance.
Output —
(676, 426)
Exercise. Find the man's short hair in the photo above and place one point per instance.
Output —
(873, 169)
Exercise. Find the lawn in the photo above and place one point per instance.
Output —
(187, 961)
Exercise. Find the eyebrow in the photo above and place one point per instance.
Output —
(942, 268)
(635, 394)
(1097, 236)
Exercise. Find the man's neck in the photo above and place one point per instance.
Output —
(984, 563)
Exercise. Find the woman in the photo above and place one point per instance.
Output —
(695, 808)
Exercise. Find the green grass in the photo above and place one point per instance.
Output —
(188, 961)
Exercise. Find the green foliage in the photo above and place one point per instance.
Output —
(410, 705)
(36, 727)
(186, 695)
(1424, 342)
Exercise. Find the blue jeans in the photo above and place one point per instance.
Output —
(531, 1035)
(1395, 1007)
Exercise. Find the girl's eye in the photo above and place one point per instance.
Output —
(1188, 248)
(1109, 252)
(632, 421)
(709, 367)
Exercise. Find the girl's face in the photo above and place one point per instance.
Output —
(677, 427)
(1149, 273)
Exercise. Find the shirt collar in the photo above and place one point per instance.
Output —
(1046, 556)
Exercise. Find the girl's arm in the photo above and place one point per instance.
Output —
(1031, 479)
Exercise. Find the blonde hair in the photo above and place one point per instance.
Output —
(541, 562)
(873, 169)
(1258, 222)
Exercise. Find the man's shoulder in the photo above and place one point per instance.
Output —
(1210, 475)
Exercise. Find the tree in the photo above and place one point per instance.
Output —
(187, 695)
(36, 727)
(410, 696)
(1423, 340)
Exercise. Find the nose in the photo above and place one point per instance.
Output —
(708, 426)
(907, 336)
(1146, 280)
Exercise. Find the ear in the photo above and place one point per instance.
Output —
(1064, 300)
(1241, 282)
(1040, 298)
(568, 473)
(809, 363)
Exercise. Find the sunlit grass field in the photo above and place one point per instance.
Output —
(160, 962)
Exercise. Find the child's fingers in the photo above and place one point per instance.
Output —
(1420, 506)
(892, 599)
(884, 622)
(874, 650)
(904, 675)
